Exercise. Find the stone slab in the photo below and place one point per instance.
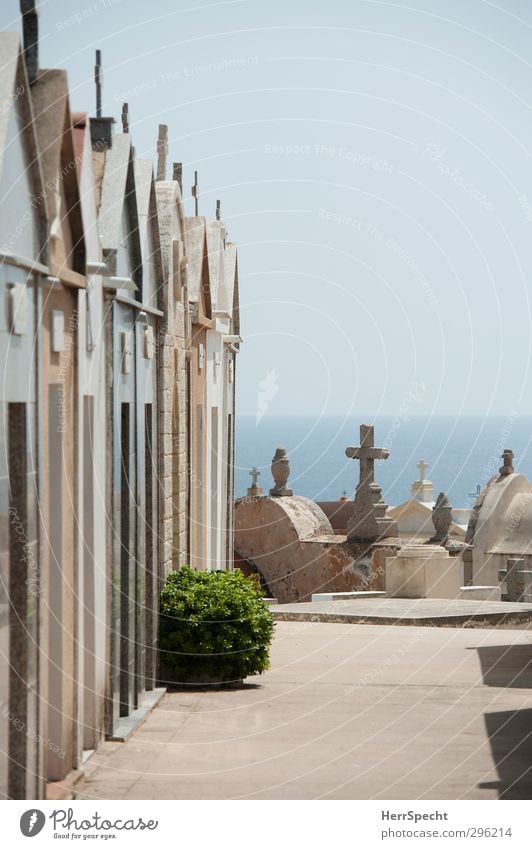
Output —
(454, 613)
(128, 724)
(323, 597)
(481, 593)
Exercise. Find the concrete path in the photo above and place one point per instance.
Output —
(346, 712)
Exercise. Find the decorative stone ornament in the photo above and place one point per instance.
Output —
(280, 474)
(442, 519)
(507, 467)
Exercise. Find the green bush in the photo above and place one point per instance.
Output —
(214, 627)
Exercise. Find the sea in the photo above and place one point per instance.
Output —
(462, 453)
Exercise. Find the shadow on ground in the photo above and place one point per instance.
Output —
(510, 737)
(205, 688)
(506, 666)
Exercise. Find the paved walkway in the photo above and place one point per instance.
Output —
(347, 711)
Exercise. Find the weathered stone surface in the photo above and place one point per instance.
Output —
(500, 527)
(368, 520)
(518, 580)
(291, 543)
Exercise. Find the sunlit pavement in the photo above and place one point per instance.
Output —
(345, 712)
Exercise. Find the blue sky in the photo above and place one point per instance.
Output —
(373, 161)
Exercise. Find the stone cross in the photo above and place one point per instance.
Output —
(367, 454)
(254, 490)
(368, 521)
(422, 466)
(162, 151)
(195, 193)
(98, 80)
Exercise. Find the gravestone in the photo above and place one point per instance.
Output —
(368, 520)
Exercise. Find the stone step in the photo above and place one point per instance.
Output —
(322, 597)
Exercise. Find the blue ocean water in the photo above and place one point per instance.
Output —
(461, 453)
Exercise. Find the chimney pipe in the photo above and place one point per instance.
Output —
(178, 175)
(30, 35)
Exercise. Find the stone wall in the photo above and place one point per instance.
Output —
(291, 543)
(173, 343)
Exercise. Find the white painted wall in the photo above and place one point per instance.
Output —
(18, 219)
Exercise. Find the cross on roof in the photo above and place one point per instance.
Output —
(195, 193)
(254, 475)
(422, 466)
(367, 454)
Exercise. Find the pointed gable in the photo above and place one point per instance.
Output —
(231, 286)
(172, 235)
(23, 214)
(118, 218)
(152, 268)
(59, 164)
(198, 280)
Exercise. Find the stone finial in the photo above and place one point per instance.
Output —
(254, 489)
(218, 210)
(280, 474)
(422, 466)
(368, 521)
(507, 467)
(442, 519)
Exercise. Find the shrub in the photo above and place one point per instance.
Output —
(214, 627)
